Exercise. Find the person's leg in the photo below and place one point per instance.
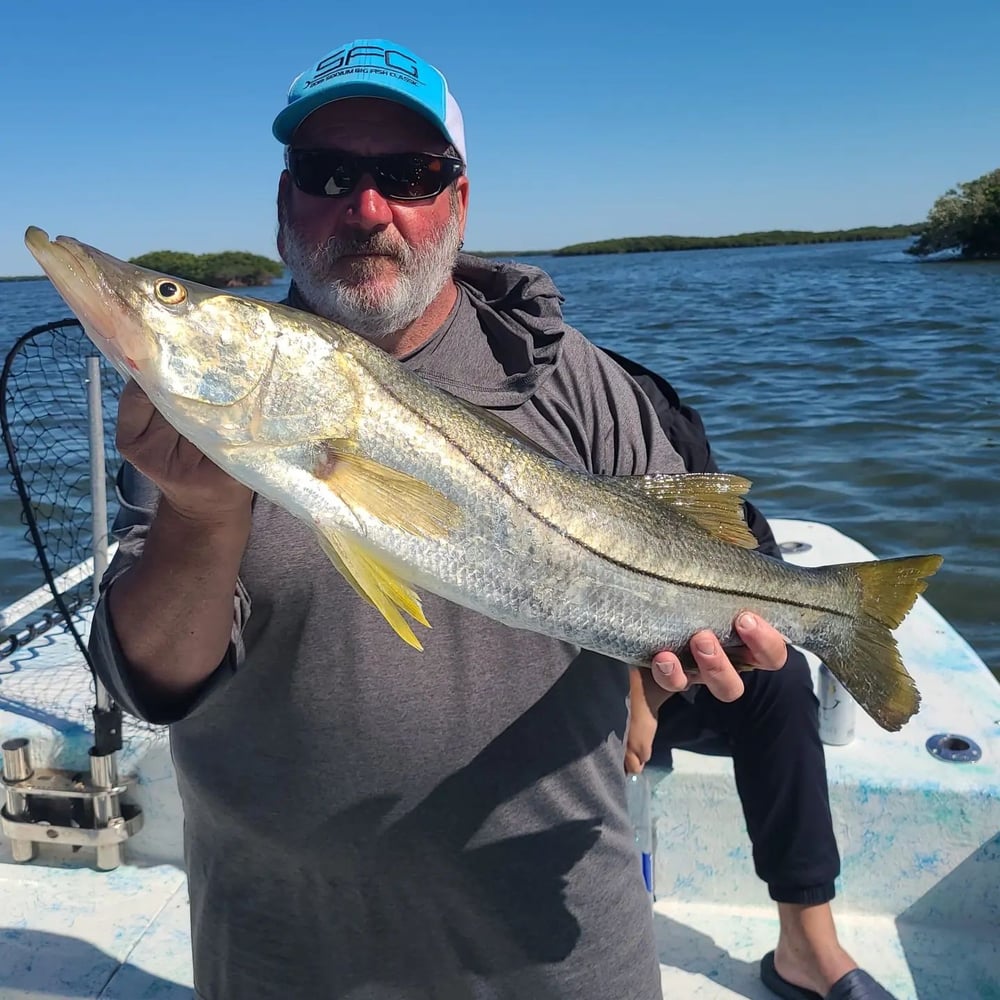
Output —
(645, 698)
(773, 736)
(808, 952)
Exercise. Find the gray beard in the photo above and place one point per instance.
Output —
(422, 275)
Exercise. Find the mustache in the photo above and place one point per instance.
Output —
(372, 244)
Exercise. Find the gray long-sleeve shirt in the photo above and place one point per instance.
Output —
(364, 821)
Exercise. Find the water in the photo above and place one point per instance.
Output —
(851, 383)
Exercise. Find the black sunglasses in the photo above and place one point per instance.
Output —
(331, 173)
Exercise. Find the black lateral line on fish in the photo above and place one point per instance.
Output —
(589, 548)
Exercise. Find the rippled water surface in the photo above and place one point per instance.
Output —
(851, 383)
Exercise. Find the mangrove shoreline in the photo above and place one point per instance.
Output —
(767, 238)
(263, 270)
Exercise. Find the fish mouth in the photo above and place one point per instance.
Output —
(68, 264)
(80, 275)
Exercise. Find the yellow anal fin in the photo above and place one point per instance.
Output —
(377, 584)
(394, 498)
(711, 499)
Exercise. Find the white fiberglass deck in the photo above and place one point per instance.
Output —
(918, 903)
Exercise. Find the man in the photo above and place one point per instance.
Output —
(361, 820)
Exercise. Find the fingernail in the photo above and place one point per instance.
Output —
(747, 622)
(665, 667)
(705, 646)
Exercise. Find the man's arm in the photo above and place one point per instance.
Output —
(171, 611)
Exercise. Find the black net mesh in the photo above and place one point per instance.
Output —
(45, 423)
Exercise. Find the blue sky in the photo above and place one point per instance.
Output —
(138, 126)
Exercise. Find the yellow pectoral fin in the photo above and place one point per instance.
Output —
(395, 498)
(377, 584)
(710, 499)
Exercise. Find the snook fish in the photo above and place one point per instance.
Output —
(409, 488)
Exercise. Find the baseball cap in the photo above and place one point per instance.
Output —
(373, 67)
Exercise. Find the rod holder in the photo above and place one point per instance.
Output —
(17, 769)
(53, 805)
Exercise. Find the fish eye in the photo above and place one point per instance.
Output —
(169, 292)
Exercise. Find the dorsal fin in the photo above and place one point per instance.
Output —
(712, 500)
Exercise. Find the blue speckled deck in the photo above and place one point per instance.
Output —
(918, 902)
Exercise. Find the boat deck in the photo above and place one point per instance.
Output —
(918, 901)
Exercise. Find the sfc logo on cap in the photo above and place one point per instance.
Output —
(373, 67)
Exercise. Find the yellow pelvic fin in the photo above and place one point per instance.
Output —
(395, 498)
(377, 584)
(712, 500)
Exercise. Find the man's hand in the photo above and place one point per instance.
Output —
(193, 485)
(763, 648)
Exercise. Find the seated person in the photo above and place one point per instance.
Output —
(772, 734)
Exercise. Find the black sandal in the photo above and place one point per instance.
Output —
(854, 985)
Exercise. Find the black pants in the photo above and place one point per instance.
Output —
(772, 734)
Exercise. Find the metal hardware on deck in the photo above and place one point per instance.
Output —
(16, 769)
(953, 748)
(55, 805)
(11, 643)
(793, 548)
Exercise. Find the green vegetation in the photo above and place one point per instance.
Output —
(229, 269)
(966, 219)
(509, 254)
(23, 277)
(771, 238)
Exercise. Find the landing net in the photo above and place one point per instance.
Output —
(45, 424)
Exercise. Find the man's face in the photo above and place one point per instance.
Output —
(370, 262)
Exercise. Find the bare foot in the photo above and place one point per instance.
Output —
(808, 952)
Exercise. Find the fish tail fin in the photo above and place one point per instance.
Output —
(869, 665)
(890, 586)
